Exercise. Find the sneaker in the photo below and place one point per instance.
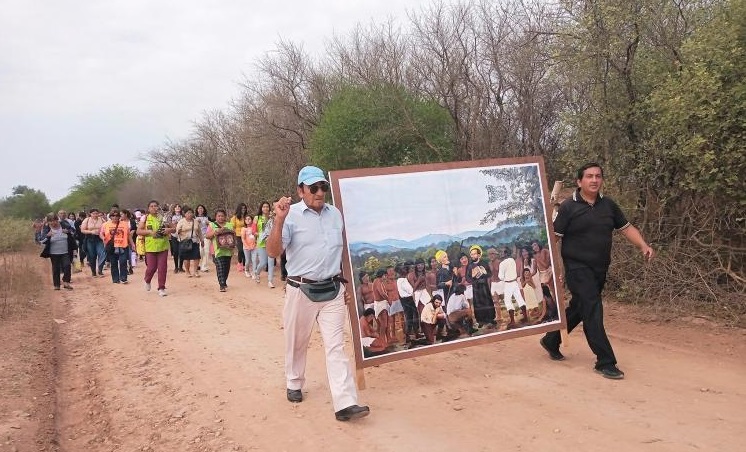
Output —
(124, 282)
(256, 278)
(554, 355)
(271, 285)
(248, 275)
(147, 287)
(611, 371)
(67, 286)
(223, 288)
(56, 287)
(162, 292)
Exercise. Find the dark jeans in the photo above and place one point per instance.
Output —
(60, 264)
(240, 256)
(119, 265)
(174, 243)
(585, 306)
(96, 254)
(82, 250)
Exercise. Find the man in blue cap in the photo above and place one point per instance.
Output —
(310, 233)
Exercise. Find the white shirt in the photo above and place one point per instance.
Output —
(405, 288)
(507, 271)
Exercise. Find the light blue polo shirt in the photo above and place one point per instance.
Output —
(313, 241)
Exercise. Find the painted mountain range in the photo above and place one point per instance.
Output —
(504, 232)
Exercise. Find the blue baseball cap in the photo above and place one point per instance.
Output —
(309, 175)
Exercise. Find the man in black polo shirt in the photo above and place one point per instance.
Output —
(585, 224)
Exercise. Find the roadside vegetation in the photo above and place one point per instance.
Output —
(654, 90)
(20, 278)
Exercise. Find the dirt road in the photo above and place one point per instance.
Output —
(201, 370)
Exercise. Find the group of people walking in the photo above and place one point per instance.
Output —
(427, 303)
(119, 239)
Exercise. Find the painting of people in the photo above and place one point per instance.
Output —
(447, 255)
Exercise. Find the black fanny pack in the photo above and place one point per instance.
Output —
(325, 290)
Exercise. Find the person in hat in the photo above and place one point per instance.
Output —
(445, 278)
(310, 233)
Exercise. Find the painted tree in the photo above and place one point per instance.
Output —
(516, 195)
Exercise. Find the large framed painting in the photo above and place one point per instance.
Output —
(446, 256)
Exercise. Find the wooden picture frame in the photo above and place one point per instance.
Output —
(397, 214)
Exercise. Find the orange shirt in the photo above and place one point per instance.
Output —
(121, 233)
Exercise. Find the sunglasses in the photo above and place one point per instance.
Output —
(323, 186)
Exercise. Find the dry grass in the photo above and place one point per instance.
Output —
(15, 234)
(20, 278)
(686, 283)
(20, 283)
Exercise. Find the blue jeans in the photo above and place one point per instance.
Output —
(119, 265)
(249, 260)
(262, 260)
(96, 252)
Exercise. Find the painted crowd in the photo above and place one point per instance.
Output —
(414, 304)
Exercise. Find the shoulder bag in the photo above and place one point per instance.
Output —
(109, 247)
(185, 246)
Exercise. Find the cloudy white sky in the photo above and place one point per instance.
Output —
(86, 84)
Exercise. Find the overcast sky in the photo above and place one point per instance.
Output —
(86, 84)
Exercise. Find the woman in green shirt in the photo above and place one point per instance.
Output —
(263, 226)
(156, 233)
(224, 254)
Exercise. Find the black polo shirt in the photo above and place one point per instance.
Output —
(586, 231)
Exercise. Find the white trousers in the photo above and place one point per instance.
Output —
(205, 254)
(299, 315)
(512, 289)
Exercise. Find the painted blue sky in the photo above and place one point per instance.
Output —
(409, 206)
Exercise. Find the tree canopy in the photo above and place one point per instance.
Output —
(382, 125)
(100, 189)
(25, 202)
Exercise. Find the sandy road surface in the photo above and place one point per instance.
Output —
(201, 370)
